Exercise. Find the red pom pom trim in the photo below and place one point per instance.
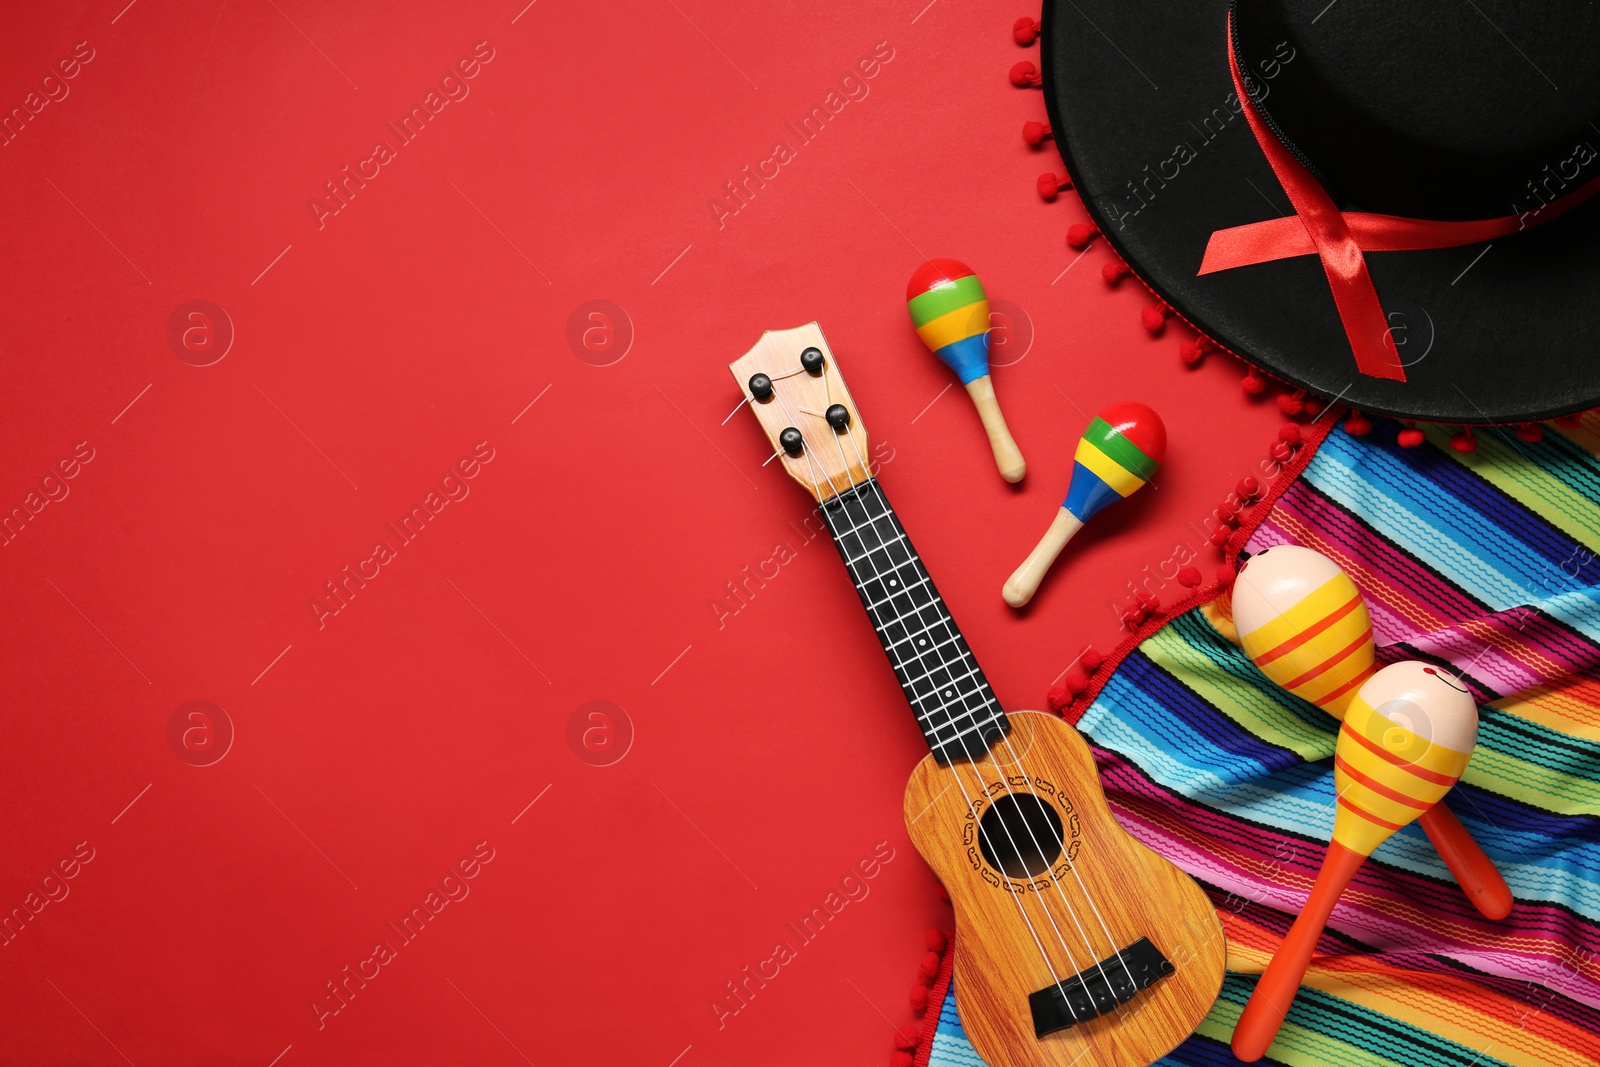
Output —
(1079, 234)
(1154, 317)
(1025, 75)
(1049, 185)
(1036, 133)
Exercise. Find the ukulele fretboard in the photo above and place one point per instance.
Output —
(954, 706)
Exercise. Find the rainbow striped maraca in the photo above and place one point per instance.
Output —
(1303, 622)
(1405, 741)
(951, 313)
(1117, 455)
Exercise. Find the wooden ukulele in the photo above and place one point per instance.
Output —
(1075, 943)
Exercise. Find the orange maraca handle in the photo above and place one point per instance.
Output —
(1478, 876)
(1275, 990)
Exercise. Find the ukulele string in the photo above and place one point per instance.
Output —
(1021, 909)
(1033, 837)
(1072, 866)
(1004, 780)
(1071, 911)
(1095, 908)
(1005, 784)
(806, 452)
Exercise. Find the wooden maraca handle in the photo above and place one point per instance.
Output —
(1024, 581)
(1275, 990)
(1476, 873)
(1007, 456)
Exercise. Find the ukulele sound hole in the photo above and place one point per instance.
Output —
(1021, 835)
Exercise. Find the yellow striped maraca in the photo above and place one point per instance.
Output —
(1303, 622)
(1406, 739)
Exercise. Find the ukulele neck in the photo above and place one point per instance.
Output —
(952, 700)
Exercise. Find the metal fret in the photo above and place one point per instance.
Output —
(961, 733)
(951, 699)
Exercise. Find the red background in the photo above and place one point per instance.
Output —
(374, 352)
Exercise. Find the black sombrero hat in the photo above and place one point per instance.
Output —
(1392, 214)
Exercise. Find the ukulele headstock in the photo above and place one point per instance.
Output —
(791, 382)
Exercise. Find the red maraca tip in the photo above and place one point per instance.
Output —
(1141, 426)
(934, 274)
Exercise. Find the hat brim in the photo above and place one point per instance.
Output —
(1138, 97)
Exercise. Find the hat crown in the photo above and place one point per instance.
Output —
(1430, 108)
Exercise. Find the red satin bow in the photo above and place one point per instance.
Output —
(1340, 239)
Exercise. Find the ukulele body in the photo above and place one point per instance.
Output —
(1136, 895)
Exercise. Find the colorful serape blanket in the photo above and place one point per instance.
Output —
(1486, 562)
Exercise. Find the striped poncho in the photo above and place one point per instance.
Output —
(1483, 561)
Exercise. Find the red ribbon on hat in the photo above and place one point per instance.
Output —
(1340, 239)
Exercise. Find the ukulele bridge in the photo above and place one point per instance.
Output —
(1098, 990)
